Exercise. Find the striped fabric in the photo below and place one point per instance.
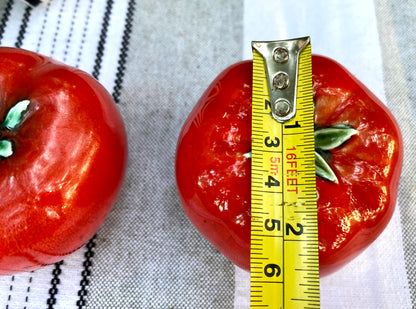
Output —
(156, 58)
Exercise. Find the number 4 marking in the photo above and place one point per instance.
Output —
(272, 182)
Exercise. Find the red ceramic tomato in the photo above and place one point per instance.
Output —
(63, 154)
(358, 161)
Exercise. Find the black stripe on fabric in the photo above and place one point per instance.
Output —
(9, 298)
(84, 33)
(103, 39)
(23, 27)
(58, 28)
(42, 31)
(5, 17)
(86, 273)
(71, 30)
(28, 290)
(123, 51)
(51, 301)
(53, 291)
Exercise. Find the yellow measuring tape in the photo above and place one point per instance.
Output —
(284, 232)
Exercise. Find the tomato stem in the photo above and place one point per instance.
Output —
(14, 116)
(11, 122)
(326, 139)
(6, 148)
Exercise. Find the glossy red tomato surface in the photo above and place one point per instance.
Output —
(213, 164)
(69, 155)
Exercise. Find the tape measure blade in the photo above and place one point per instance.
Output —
(284, 236)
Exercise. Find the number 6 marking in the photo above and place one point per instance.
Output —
(272, 270)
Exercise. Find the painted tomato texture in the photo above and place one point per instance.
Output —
(63, 155)
(358, 162)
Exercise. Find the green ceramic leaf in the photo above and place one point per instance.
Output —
(6, 149)
(332, 137)
(323, 169)
(14, 116)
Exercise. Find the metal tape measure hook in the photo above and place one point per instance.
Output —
(281, 62)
